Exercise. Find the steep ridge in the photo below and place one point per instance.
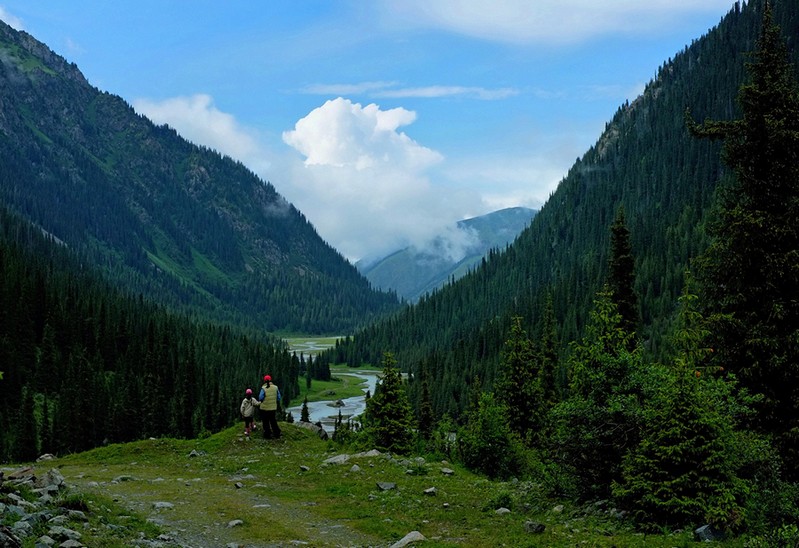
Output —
(178, 223)
(645, 161)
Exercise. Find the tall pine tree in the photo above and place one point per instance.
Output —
(750, 273)
(621, 273)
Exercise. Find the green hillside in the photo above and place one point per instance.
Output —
(180, 224)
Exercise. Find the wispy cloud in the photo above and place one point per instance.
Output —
(449, 91)
(11, 20)
(547, 22)
(197, 119)
(394, 90)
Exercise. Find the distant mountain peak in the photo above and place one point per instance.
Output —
(419, 269)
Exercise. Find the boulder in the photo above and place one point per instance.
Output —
(410, 538)
(708, 533)
(314, 427)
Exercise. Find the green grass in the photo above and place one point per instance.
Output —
(327, 505)
(343, 385)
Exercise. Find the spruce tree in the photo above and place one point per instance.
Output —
(304, 416)
(621, 273)
(426, 422)
(600, 420)
(750, 273)
(519, 385)
(686, 465)
(389, 417)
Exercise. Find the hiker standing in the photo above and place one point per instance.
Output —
(269, 398)
(248, 405)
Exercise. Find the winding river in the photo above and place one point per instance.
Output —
(326, 411)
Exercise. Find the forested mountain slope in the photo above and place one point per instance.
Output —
(178, 223)
(645, 161)
(82, 364)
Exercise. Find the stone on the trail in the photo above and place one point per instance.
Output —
(708, 533)
(410, 538)
(534, 527)
(338, 459)
(162, 505)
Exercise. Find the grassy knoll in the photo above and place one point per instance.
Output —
(284, 495)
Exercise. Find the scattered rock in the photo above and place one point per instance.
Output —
(502, 511)
(195, 453)
(59, 532)
(368, 454)
(708, 533)
(355, 468)
(534, 527)
(314, 427)
(338, 459)
(558, 509)
(46, 456)
(386, 485)
(239, 485)
(8, 538)
(163, 505)
(235, 523)
(304, 468)
(447, 471)
(410, 538)
(430, 491)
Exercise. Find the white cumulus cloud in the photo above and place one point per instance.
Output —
(345, 134)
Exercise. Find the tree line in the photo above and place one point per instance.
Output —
(84, 364)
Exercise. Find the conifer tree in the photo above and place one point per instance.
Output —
(621, 273)
(686, 465)
(599, 422)
(519, 385)
(750, 273)
(548, 356)
(426, 423)
(304, 416)
(389, 417)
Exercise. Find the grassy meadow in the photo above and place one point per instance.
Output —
(229, 489)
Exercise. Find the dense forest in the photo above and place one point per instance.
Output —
(84, 364)
(647, 163)
(178, 223)
(675, 397)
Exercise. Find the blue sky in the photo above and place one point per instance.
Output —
(383, 121)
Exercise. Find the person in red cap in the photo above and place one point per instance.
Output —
(248, 405)
(269, 398)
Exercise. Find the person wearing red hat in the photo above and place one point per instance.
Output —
(248, 405)
(269, 398)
